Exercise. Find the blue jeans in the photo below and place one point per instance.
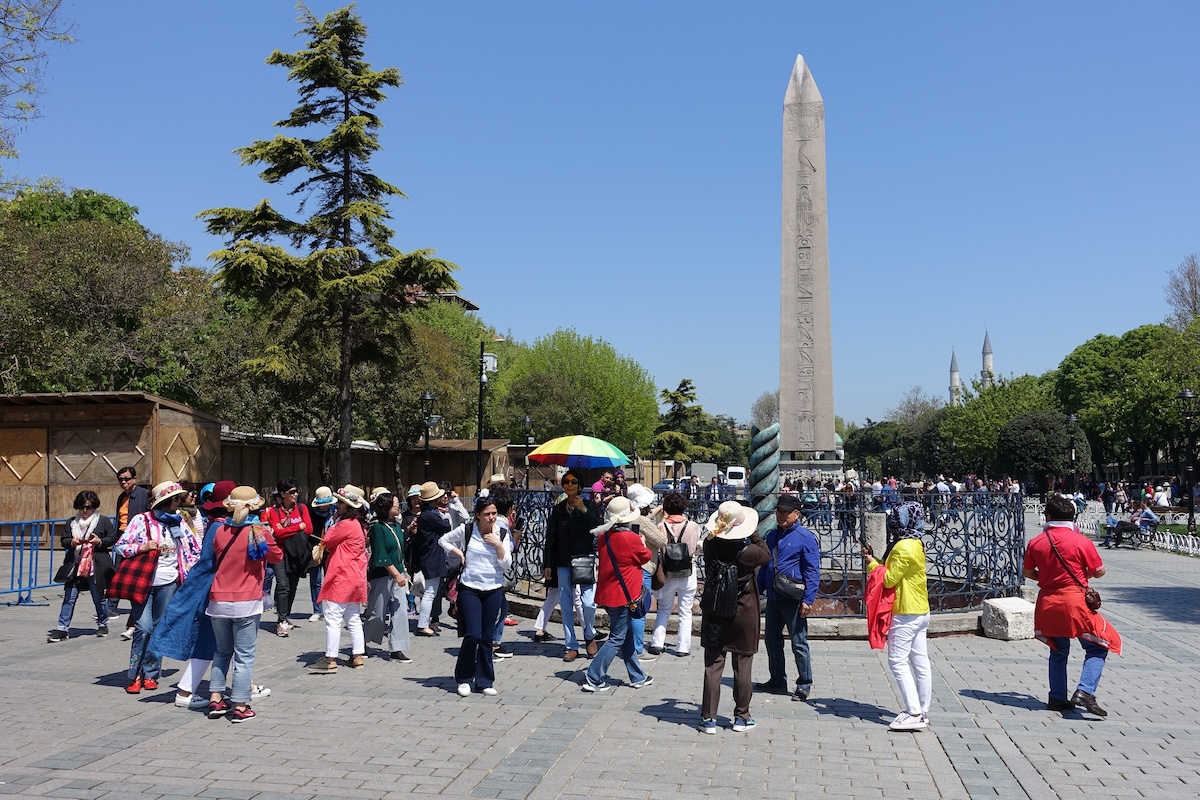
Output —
(236, 642)
(637, 627)
(71, 594)
(620, 640)
(144, 662)
(479, 609)
(566, 602)
(782, 611)
(316, 576)
(1093, 666)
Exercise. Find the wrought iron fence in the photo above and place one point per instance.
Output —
(974, 545)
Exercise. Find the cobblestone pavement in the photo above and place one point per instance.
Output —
(392, 730)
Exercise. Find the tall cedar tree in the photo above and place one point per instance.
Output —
(342, 270)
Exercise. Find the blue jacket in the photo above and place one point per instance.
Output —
(185, 630)
(795, 553)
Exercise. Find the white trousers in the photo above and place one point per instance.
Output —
(685, 589)
(550, 603)
(908, 658)
(334, 613)
(193, 673)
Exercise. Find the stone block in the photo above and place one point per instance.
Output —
(1008, 618)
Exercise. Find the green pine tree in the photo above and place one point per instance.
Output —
(341, 273)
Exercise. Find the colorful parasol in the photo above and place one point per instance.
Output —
(584, 452)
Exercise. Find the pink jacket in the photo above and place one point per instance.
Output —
(345, 563)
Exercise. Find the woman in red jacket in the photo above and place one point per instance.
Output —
(290, 523)
(241, 549)
(344, 591)
(621, 554)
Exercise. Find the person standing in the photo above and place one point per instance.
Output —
(433, 523)
(242, 546)
(731, 538)
(87, 540)
(160, 531)
(132, 501)
(618, 586)
(796, 557)
(1063, 561)
(291, 524)
(569, 535)
(483, 547)
(344, 590)
(680, 582)
(387, 592)
(320, 511)
(907, 644)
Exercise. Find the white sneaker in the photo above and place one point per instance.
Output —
(192, 701)
(490, 691)
(315, 618)
(257, 692)
(128, 634)
(907, 722)
(464, 690)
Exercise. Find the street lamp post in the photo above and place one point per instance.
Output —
(427, 416)
(1189, 405)
(637, 478)
(1072, 423)
(487, 363)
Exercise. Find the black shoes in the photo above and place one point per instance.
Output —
(774, 688)
(800, 696)
(1088, 701)
(1054, 704)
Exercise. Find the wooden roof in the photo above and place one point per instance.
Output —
(98, 399)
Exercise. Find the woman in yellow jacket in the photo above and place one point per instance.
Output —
(907, 645)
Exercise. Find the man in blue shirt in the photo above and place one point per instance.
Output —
(795, 555)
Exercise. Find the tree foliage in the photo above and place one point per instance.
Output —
(687, 433)
(341, 270)
(27, 28)
(765, 411)
(1037, 446)
(573, 384)
(1182, 291)
(966, 435)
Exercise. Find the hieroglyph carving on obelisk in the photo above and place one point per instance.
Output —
(806, 348)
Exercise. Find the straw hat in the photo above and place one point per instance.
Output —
(497, 478)
(731, 520)
(378, 490)
(165, 491)
(351, 496)
(246, 496)
(619, 512)
(430, 491)
(322, 497)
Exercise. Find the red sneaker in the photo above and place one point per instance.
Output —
(135, 687)
(149, 684)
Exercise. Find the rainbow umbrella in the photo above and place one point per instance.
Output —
(584, 452)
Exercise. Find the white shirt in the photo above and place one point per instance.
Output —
(483, 570)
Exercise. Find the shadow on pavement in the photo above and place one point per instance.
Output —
(1168, 603)
(680, 712)
(1013, 699)
(851, 708)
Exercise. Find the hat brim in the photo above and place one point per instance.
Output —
(747, 526)
(168, 496)
(321, 502)
(431, 498)
(341, 498)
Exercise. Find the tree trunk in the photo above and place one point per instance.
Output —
(345, 404)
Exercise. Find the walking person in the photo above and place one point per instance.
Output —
(569, 536)
(618, 589)
(87, 541)
(1063, 561)
(345, 588)
(646, 526)
(243, 547)
(131, 502)
(290, 523)
(682, 544)
(387, 592)
(790, 584)
(483, 546)
(161, 532)
(907, 643)
(731, 540)
(434, 522)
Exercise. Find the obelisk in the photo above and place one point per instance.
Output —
(805, 337)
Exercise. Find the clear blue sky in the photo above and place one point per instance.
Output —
(1026, 166)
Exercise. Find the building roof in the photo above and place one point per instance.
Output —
(97, 399)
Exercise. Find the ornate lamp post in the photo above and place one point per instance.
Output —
(487, 363)
(1072, 425)
(1189, 403)
(430, 420)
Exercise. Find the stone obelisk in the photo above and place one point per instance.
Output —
(805, 337)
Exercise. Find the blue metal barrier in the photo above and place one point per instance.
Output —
(32, 564)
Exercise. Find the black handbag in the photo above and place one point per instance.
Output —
(583, 570)
(785, 585)
(67, 572)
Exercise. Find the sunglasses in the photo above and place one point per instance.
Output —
(86, 507)
(570, 483)
(125, 480)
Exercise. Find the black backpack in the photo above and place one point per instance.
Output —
(721, 589)
(677, 560)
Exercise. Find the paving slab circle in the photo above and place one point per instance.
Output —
(395, 731)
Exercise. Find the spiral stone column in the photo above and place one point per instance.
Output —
(764, 474)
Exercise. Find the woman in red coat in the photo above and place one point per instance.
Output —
(291, 524)
(344, 591)
(621, 554)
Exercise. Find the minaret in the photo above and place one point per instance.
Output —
(989, 370)
(955, 383)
